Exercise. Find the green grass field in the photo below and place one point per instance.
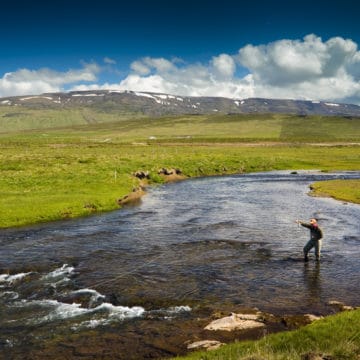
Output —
(124, 126)
(15, 119)
(78, 170)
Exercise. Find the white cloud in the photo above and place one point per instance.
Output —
(191, 80)
(223, 66)
(153, 83)
(285, 61)
(140, 68)
(299, 69)
(109, 61)
(307, 68)
(148, 64)
(29, 82)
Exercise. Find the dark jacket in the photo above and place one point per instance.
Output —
(315, 231)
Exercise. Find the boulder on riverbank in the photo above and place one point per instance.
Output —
(205, 345)
(339, 305)
(133, 198)
(171, 175)
(141, 174)
(236, 322)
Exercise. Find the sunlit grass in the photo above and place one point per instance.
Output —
(336, 337)
(347, 190)
(69, 172)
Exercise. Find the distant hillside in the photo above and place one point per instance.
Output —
(155, 104)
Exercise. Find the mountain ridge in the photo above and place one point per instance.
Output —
(160, 104)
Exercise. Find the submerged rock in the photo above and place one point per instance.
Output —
(339, 305)
(296, 321)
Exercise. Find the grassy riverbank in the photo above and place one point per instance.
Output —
(334, 337)
(347, 190)
(71, 172)
(44, 181)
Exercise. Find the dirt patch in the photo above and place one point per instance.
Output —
(173, 178)
(133, 198)
(171, 175)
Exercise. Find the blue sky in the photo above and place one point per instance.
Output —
(276, 49)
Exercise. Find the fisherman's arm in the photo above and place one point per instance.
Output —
(303, 224)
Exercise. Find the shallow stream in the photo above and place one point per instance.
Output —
(132, 276)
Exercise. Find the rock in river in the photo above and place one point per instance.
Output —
(236, 322)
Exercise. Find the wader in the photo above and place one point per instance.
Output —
(309, 245)
(314, 242)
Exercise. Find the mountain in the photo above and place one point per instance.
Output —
(156, 104)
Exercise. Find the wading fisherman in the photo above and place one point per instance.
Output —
(316, 235)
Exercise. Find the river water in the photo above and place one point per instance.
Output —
(200, 243)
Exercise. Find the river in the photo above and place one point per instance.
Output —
(129, 277)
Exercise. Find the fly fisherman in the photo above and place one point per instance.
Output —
(315, 238)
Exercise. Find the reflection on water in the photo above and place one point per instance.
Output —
(196, 243)
(313, 284)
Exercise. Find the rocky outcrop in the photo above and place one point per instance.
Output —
(133, 198)
(236, 322)
(141, 174)
(339, 305)
(171, 175)
(205, 345)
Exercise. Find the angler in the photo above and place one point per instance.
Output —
(315, 241)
